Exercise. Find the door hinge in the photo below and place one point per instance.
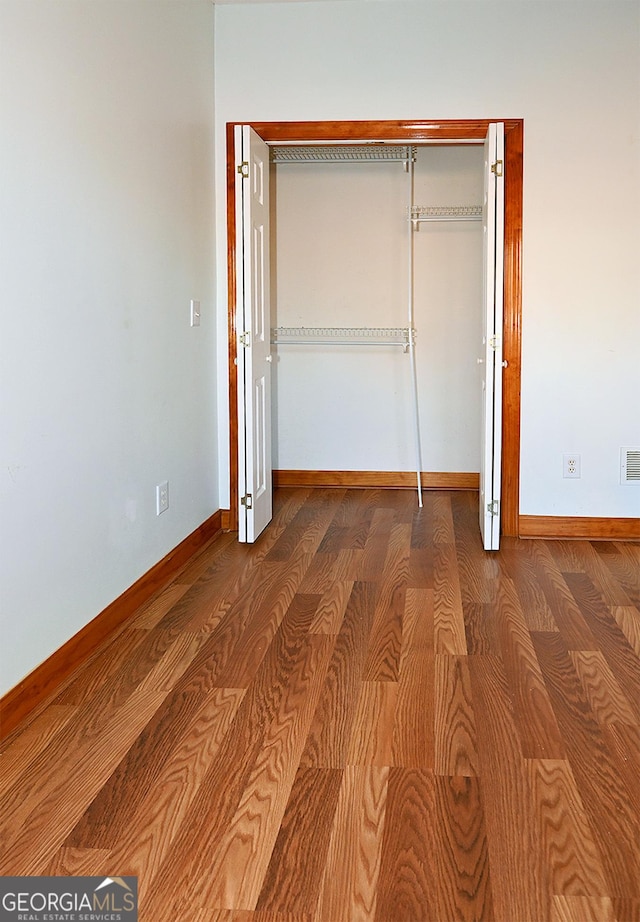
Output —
(493, 507)
(243, 169)
(247, 501)
(497, 168)
(245, 339)
(493, 342)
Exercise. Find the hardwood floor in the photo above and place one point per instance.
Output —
(363, 716)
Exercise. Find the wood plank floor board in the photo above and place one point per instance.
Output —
(413, 731)
(294, 875)
(349, 887)
(203, 595)
(330, 733)
(423, 523)
(131, 647)
(421, 566)
(535, 720)
(406, 888)
(434, 855)
(383, 655)
(611, 811)
(628, 620)
(602, 690)
(138, 770)
(18, 753)
(482, 628)
(321, 573)
(250, 836)
(454, 720)
(572, 556)
(362, 716)
(520, 878)
(215, 553)
(331, 608)
(626, 910)
(519, 565)
(78, 862)
(604, 580)
(182, 879)
(462, 879)
(443, 530)
(564, 608)
(449, 626)
(375, 548)
(307, 527)
(624, 746)
(154, 610)
(372, 734)
(478, 571)
(610, 639)
(234, 775)
(256, 639)
(623, 562)
(571, 855)
(146, 833)
(584, 909)
(96, 741)
(102, 668)
(36, 831)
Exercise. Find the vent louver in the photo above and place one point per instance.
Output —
(630, 465)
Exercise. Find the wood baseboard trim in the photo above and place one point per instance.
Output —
(403, 480)
(595, 529)
(46, 679)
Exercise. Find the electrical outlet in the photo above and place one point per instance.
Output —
(195, 313)
(162, 497)
(571, 465)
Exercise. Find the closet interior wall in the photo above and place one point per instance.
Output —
(339, 250)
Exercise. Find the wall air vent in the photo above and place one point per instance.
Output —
(630, 465)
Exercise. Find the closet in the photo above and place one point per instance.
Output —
(376, 268)
(371, 246)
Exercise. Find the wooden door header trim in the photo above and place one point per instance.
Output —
(443, 130)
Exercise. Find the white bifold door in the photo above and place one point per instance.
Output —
(253, 329)
(491, 360)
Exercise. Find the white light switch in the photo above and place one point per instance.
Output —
(195, 313)
(162, 497)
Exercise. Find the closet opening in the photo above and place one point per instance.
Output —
(344, 308)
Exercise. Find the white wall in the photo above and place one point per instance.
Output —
(106, 200)
(341, 237)
(571, 70)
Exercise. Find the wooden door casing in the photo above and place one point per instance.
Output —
(414, 131)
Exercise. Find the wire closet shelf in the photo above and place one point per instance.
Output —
(344, 336)
(420, 213)
(343, 153)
